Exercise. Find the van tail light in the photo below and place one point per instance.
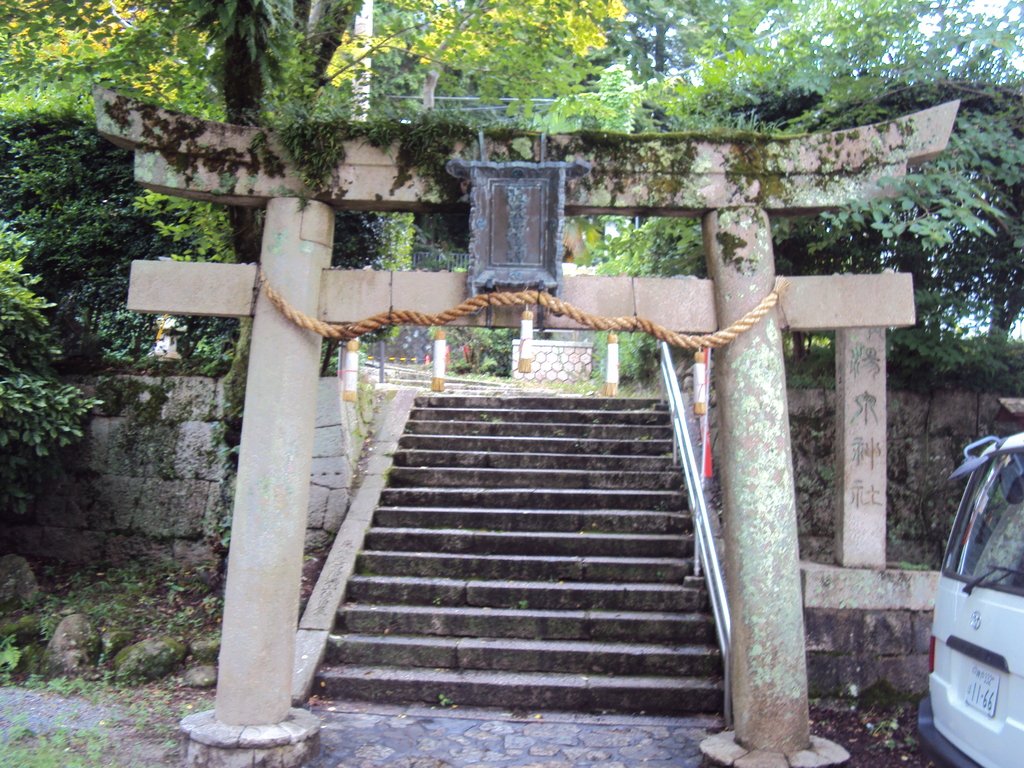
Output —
(931, 654)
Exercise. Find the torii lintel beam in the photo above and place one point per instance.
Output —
(651, 174)
(682, 304)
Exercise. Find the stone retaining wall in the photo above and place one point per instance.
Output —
(561, 362)
(865, 627)
(927, 434)
(153, 477)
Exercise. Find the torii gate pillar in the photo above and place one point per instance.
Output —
(769, 673)
(261, 601)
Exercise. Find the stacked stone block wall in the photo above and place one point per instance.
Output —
(148, 479)
(851, 650)
(867, 627)
(341, 429)
(153, 477)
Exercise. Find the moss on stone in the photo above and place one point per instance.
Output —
(149, 660)
(884, 694)
(317, 147)
(733, 248)
(654, 167)
(25, 629)
(143, 399)
(177, 138)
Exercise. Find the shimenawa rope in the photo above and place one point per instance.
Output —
(556, 306)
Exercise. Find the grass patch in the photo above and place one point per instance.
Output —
(60, 749)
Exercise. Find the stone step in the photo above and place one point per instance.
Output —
(524, 655)
(523, 568)
(529, 691)
(529, 557)
(455, 477)
(544, 444)
(554, 520)
(533, 429)
(540, 416)
(541, 595)
(539, 498)
(454, 386)
(523, 460)
(539, 543)
(541, 402)
(528, 623)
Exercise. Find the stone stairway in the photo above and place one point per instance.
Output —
(529, 553)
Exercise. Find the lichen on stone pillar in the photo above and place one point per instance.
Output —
(769, 671)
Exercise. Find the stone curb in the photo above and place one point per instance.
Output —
(318, 619)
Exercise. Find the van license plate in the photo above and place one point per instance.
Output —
(982, 690)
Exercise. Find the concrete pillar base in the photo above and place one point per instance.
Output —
(288, 744)
(722, 749)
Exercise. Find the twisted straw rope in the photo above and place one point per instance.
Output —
(554, 305)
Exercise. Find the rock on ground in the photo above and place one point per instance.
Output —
(74, 647)
(149, 660)
(17, 582)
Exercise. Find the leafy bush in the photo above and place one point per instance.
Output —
(38, 414)
(71, 193)
(490, 350)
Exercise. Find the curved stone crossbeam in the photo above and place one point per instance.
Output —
(654, 174)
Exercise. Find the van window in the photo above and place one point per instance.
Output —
(988, 540)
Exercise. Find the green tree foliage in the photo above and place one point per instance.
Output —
(702, 65)
(70, 193)
(954, 223)
(246, 61)
(38, 414)
(487, 49)
(52, 52)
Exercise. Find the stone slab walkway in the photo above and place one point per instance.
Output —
(359, 735)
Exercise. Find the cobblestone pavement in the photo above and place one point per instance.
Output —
(358, 735)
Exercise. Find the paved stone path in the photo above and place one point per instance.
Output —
(357, 735)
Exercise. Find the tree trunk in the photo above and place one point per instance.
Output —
(429, 86)
(243, 92)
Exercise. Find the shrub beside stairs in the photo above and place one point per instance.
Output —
(529, 553)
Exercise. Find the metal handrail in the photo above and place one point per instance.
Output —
(707, 558)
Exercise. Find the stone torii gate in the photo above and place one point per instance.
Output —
(734, 187)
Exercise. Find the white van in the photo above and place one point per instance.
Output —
(974, 713)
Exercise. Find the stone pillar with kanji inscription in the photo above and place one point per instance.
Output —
(860, 447)
(761, 553)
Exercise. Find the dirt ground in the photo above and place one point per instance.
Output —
(876, 736)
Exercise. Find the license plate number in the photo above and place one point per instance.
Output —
(982, 690)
